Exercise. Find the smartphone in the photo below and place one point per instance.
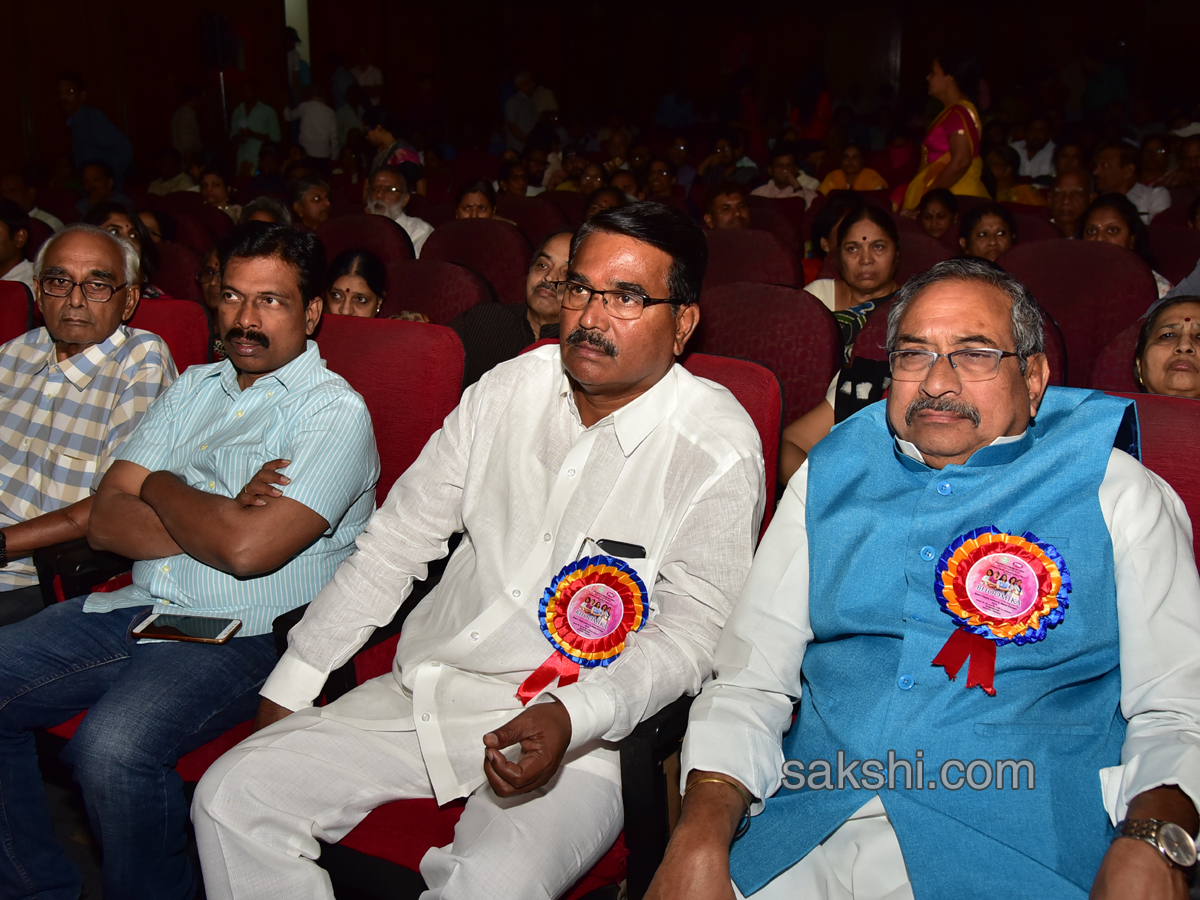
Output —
(203, 629)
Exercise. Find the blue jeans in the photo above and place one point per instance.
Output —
(148, 705)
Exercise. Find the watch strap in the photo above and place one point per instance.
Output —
(1145, 830)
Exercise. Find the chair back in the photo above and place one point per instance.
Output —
(766, 216)
(39, 233)
(746, 254)
(177, 268)
(362, 231)
(190, 203)
(409, 374)
(572, 204)
(757, 389)
(536, 218)
(1032, 227)
(1092, 290)
(1176, 249)
(181, 323)
(919, 252)
(1168, 427)
(495, 250)
(440, 290)
(193, 233)
(16, 308)
(1113, 369)
(785, 329)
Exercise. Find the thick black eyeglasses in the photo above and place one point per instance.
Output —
(620, 304)
(972, 364)
(96, 291)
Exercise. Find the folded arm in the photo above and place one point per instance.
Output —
(66, 524)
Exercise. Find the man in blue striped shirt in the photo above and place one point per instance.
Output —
(186, 497)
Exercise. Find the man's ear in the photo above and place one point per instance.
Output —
(962, 242)
(133, 294)
(312, 314)
(685, 325)
(708, 220)
(1037, 378)
(20, 239)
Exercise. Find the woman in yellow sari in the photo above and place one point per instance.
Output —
(950, 152)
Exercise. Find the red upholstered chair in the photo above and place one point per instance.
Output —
(767, 217)
(362, 231)
(191, 232)
(1176, 249)
(1176, 213)
(440, 290)
(16, 307)
(782, 328)
(918, 252)
(190, 203)
(1092, 290)
(1167, 435)
(177, 268)
(536, 218)
(39, 233)
(181, 323)
(745, 254)
(1032, 227)
(572, 204)
(495, 250)
(1113, 369)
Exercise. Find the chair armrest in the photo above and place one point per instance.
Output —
(644, 791)
(78, 567)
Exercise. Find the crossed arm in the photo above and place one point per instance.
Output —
(148, 515)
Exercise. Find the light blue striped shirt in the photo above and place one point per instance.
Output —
(216, 437)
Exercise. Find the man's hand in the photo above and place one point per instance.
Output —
(1133, 870)
(269, 712)
(263, 484)
(544, 731)
(696, 864)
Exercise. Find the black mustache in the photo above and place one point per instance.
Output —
(236, 333)
(958, 407)
(580, 335)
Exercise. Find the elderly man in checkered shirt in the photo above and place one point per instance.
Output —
(71, 392)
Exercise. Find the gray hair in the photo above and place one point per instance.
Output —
(129, 253)
(1028, 336)
(282, 214)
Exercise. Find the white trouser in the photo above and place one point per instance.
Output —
(859, 861)
(261, 807)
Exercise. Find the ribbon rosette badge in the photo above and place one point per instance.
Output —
(586, 613)
(998, 589)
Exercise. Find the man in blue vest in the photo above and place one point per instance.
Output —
(975, 524)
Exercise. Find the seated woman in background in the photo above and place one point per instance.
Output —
(853, 175)
(119, 219)
(937, 214)
(1166, 358)
(265, 209)
(1113, 219)
(209, 279)
(159, 225)
(475, 200)
(987, 231)
(607, 197)
(823, 239)
(214, 188)
(1004, 164)
(357, 284)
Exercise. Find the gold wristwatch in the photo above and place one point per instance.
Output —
(1172, 841)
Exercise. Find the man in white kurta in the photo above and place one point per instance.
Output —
(602, 447)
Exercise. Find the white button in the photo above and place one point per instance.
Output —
(570, 473)
(424, 717)
(25, 442)
(239, 412)
(212, 485)
(474, 635)
(166, 569)
(204, 446)
(270, 393)
(436, 664)
(516, 593)
(546, 536)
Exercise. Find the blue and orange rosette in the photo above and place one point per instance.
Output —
(999, 589)
(586, 613)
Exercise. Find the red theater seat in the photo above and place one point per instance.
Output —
(745, 254)
(1032, 227)
(177, 268)
(919, 252)
(16, 304)
(536, 218)
(190, 203)
(1176, 250)
(766, 216)
(495, 250)
(1113, 369)
(572, 204)
(181, 323)
(192, 233)
(39, 233)
(440, 290)
(362, 231)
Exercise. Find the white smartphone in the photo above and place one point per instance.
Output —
(202, 629)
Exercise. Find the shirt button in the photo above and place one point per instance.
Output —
(424, 717)
(546, 537)
(928, 552)
(239, 413)
(166, 569)
(904, 682)
(204, 446)
(474, 635)
(212, 485)
(25, 443)
(944, 488)
(917, 618)
(516, 593)
(270, 393)
(570, 472)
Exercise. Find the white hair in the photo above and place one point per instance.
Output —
(129, 253)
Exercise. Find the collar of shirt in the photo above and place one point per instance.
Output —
(1013, 446)
(81, 368)
(294, 374)
(634, 421)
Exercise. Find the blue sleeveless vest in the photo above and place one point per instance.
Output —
(877, 523)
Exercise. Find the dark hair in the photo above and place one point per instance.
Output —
(379, 116)
(1193, 211)
(283, 215)
(542, 246)
(99, 213)
(506, 169)
(722, 189)
(168, 153)
(220, 173)
(13, 217)
(100, 164)
(875, 216)
(943, 196)
(304, 184)
(975, 215)
(1009, 155)
(74, 77)
(302, 252)
(1148, 328)
(784, 148)
(166, 222)
(665, 228)
(364, 264)
(1123, 207)
(621, 197)
(671, 170)
(1058, 149)
(840, 205)
(857, 146)
(1128, 153)
(478, 186)
(961, 65)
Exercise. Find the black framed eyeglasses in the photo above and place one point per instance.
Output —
(206, 275)
(619, 304)
(972, 364)
(96, 291)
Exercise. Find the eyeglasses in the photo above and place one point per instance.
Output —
(619, 304)
(96, 291)
(206, 275)
(973, 364)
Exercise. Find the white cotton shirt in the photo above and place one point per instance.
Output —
(318, 128)
(678, 471)
(22, 272)
(55, 223)
(1150, 201)
(737, 721)
(1040, 165)
(418, 230)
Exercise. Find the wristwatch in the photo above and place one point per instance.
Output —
(1169, 839)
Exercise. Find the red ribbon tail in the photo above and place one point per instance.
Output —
(555, 666)
(982, 653)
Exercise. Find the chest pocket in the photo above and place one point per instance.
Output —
(232, 465)
(71, 478)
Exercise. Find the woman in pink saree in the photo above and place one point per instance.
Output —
(950, 152)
